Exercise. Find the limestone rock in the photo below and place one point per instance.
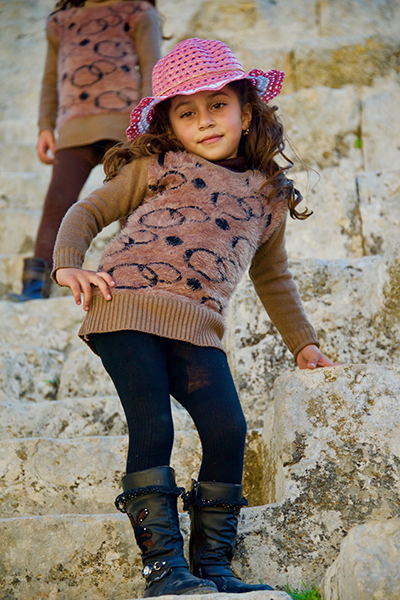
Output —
(368, 564)
(332, 460)
(74, 417)
(11, 267)
(381, 127)
(84, 375)
(340, 426)
(335, 230)
(344, 17)
(379, 194)
(270, 25)
(63, 419)
(353, 306)
(22, 190)
(32, 483)
(29, 373)
(18, 231)
(93, 554)
(353, 59)
(322, 125)
(55, 322)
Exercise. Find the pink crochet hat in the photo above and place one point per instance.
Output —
(196, 65)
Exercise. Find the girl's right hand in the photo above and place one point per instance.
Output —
(46, 143)
(80, 282)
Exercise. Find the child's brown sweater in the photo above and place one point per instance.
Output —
(194, 227)
(91, 80)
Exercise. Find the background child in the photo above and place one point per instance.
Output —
(205, 198)
(91, 83)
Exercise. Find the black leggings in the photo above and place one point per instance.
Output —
(145, 370)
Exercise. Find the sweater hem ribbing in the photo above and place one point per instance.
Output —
(164, 317)
(82, 131)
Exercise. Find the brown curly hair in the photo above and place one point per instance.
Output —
(260, 148)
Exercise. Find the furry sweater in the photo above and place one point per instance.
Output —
(194, 235)
(194, 228)
(91, 73)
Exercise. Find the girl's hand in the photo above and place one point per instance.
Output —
(311, 357)
(46, 143)
(80, 282)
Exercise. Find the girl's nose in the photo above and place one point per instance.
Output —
(205, 120)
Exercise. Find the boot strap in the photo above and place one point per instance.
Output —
(155, 572)
(192, 498)
(122, 500)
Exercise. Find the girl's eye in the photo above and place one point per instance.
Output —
(218, 104)
(186, 114)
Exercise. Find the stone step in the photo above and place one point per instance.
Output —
(364, 214)
(18, 229)
(334, 62)
(73, 417)
(22, 28)
(12, 264)
(23, 191)
(94, 556)
(15, 104)
(11, 267)
(21, 157)
(18, 130)
(352, 304)
(51, 323)
(65, 419)
(29, 373)
(46, 476)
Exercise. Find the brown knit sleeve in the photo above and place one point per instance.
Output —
(147, 39)
(85, 219)
(274, 284)
(48, 105)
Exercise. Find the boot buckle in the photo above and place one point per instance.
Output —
(148, 570)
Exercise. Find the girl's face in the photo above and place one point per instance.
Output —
(209, 123)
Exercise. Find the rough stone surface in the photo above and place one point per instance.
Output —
(353, 306)
(29, 373)
(90, 555)
(32, 483)
(335, 230)
(343, 17)
(63, 419)
(322, 125)
(337, 61)
(368, 564)
(55, 322)
(332, 457)
(381, 127)
(379, 195)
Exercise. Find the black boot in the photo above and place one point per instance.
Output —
(214, 510)
(150, 500)
(35, 281)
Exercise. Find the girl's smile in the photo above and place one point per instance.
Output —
(209, 124)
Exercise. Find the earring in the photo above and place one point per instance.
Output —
(246, 131)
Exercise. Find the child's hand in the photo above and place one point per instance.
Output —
(80, 282)
(311, 357)
(46, 143)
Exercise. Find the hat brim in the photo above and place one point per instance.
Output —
(268, 85)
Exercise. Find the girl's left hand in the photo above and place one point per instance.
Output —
(311, 357)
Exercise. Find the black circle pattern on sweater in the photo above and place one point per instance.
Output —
(197, 249)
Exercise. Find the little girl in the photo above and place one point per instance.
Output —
(100, 56)
(205, 198)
